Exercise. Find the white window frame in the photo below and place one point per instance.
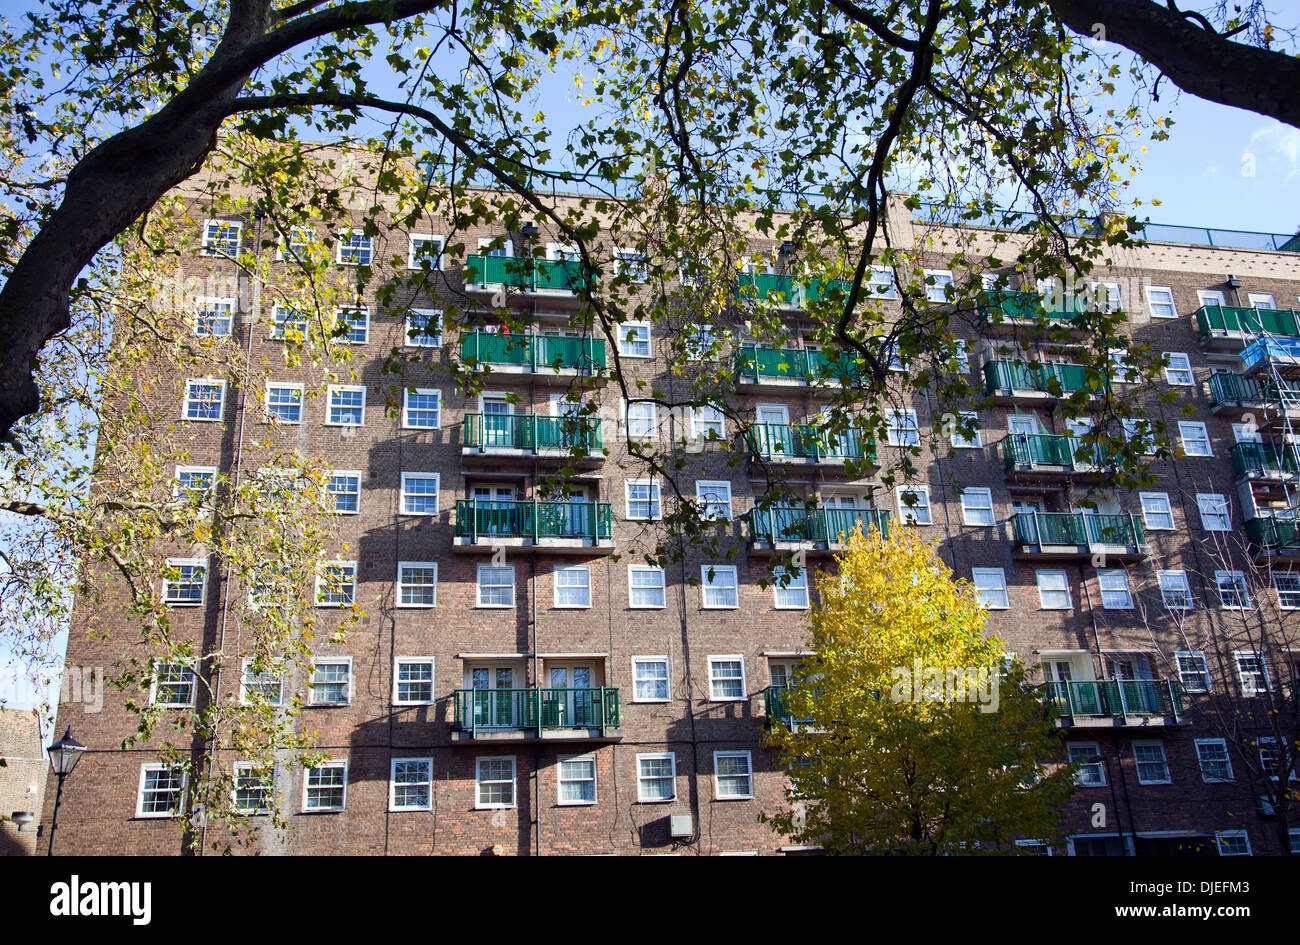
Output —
(638, 678)
(566, 568)
(1053, 574)
(246, 681)
(1168, 582)
(1146, 440)
(402, 584)
(437, 493)
(344, 314)
(202, 582)
(1115, 576)
(631, 262)
(934, 291)
(316, 664)
(717, 777)
(1262, 301)
(479, 803)
(1219, 516)
(560, 780)
(1234, 582)
(342, 566)
(406, 408)
(992, 593)
(1121, 368)
(880, 284)
(245, 769)
(332, 764)
(191, 683)
(798, 585)
(654, 499)
(1114, 298)
(333, 389)
(707, 585)
(708, 507)
(274, 417)
(671, 758)
(973, 513)
(191, 401)
(393, 806)
(1290, 576)
(702, 428)
(1155, 306)
(296, 243)
(181, 489)
(1221, 835)
(179, 792)
(714, 681)
(282, 324)
(630, 340)
(414, 239)
(918, 514)
(210, 241)
(365, 246)
(960, 442)
(419, 337)
(634, 422)
(903, 428)
(1199, 434)
(344, 474)
(631, 587)
(1149, 514)
(1164, 761)
(1200, 673)
(226, 321)
(402, 661)
(1226, 760)
(1075, 751)
(479, 586)
(1252, 689)
(1177, 369)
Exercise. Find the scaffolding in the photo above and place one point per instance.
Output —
(1273, 362)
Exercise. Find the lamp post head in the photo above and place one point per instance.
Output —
(65, 753)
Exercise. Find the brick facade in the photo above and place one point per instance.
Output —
(535, 638)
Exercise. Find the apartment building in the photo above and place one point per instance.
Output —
(524, 682)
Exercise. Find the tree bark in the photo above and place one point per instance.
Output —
(1194, 58)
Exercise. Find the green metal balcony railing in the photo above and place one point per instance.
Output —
(782, 288)
(778, 441)
(530, 432)
(1273, 532)
(1078, 528)
(756, 363)
(1047, 377)
(1023, 449)
(527, 274)
(1220, 320)
(789, 523)
(1114, 698)
(535, 709)
(1000, 305)
(537, 352)
(481, 519)
(1263, 459)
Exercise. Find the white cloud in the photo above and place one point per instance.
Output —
(1277, 148)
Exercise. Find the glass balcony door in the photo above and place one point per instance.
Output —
(498, 422)
(568, 701)
(495, 702)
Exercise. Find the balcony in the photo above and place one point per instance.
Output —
(1042, 455)
(1271, 462)
(1115, 703)
(759, 368)
(532, 715)
(1011, 382)
(806, 444)
(559, 527)
(1274, 534)
(788, 293)
(547, 357)
(1235, 395)
(551, 277)
(1078, 535)
(1004, 311)
(1228, 328)
(527, 436)
(813, 530)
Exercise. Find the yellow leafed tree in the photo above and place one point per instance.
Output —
(907, 731)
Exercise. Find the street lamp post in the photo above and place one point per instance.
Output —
(64, 755)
